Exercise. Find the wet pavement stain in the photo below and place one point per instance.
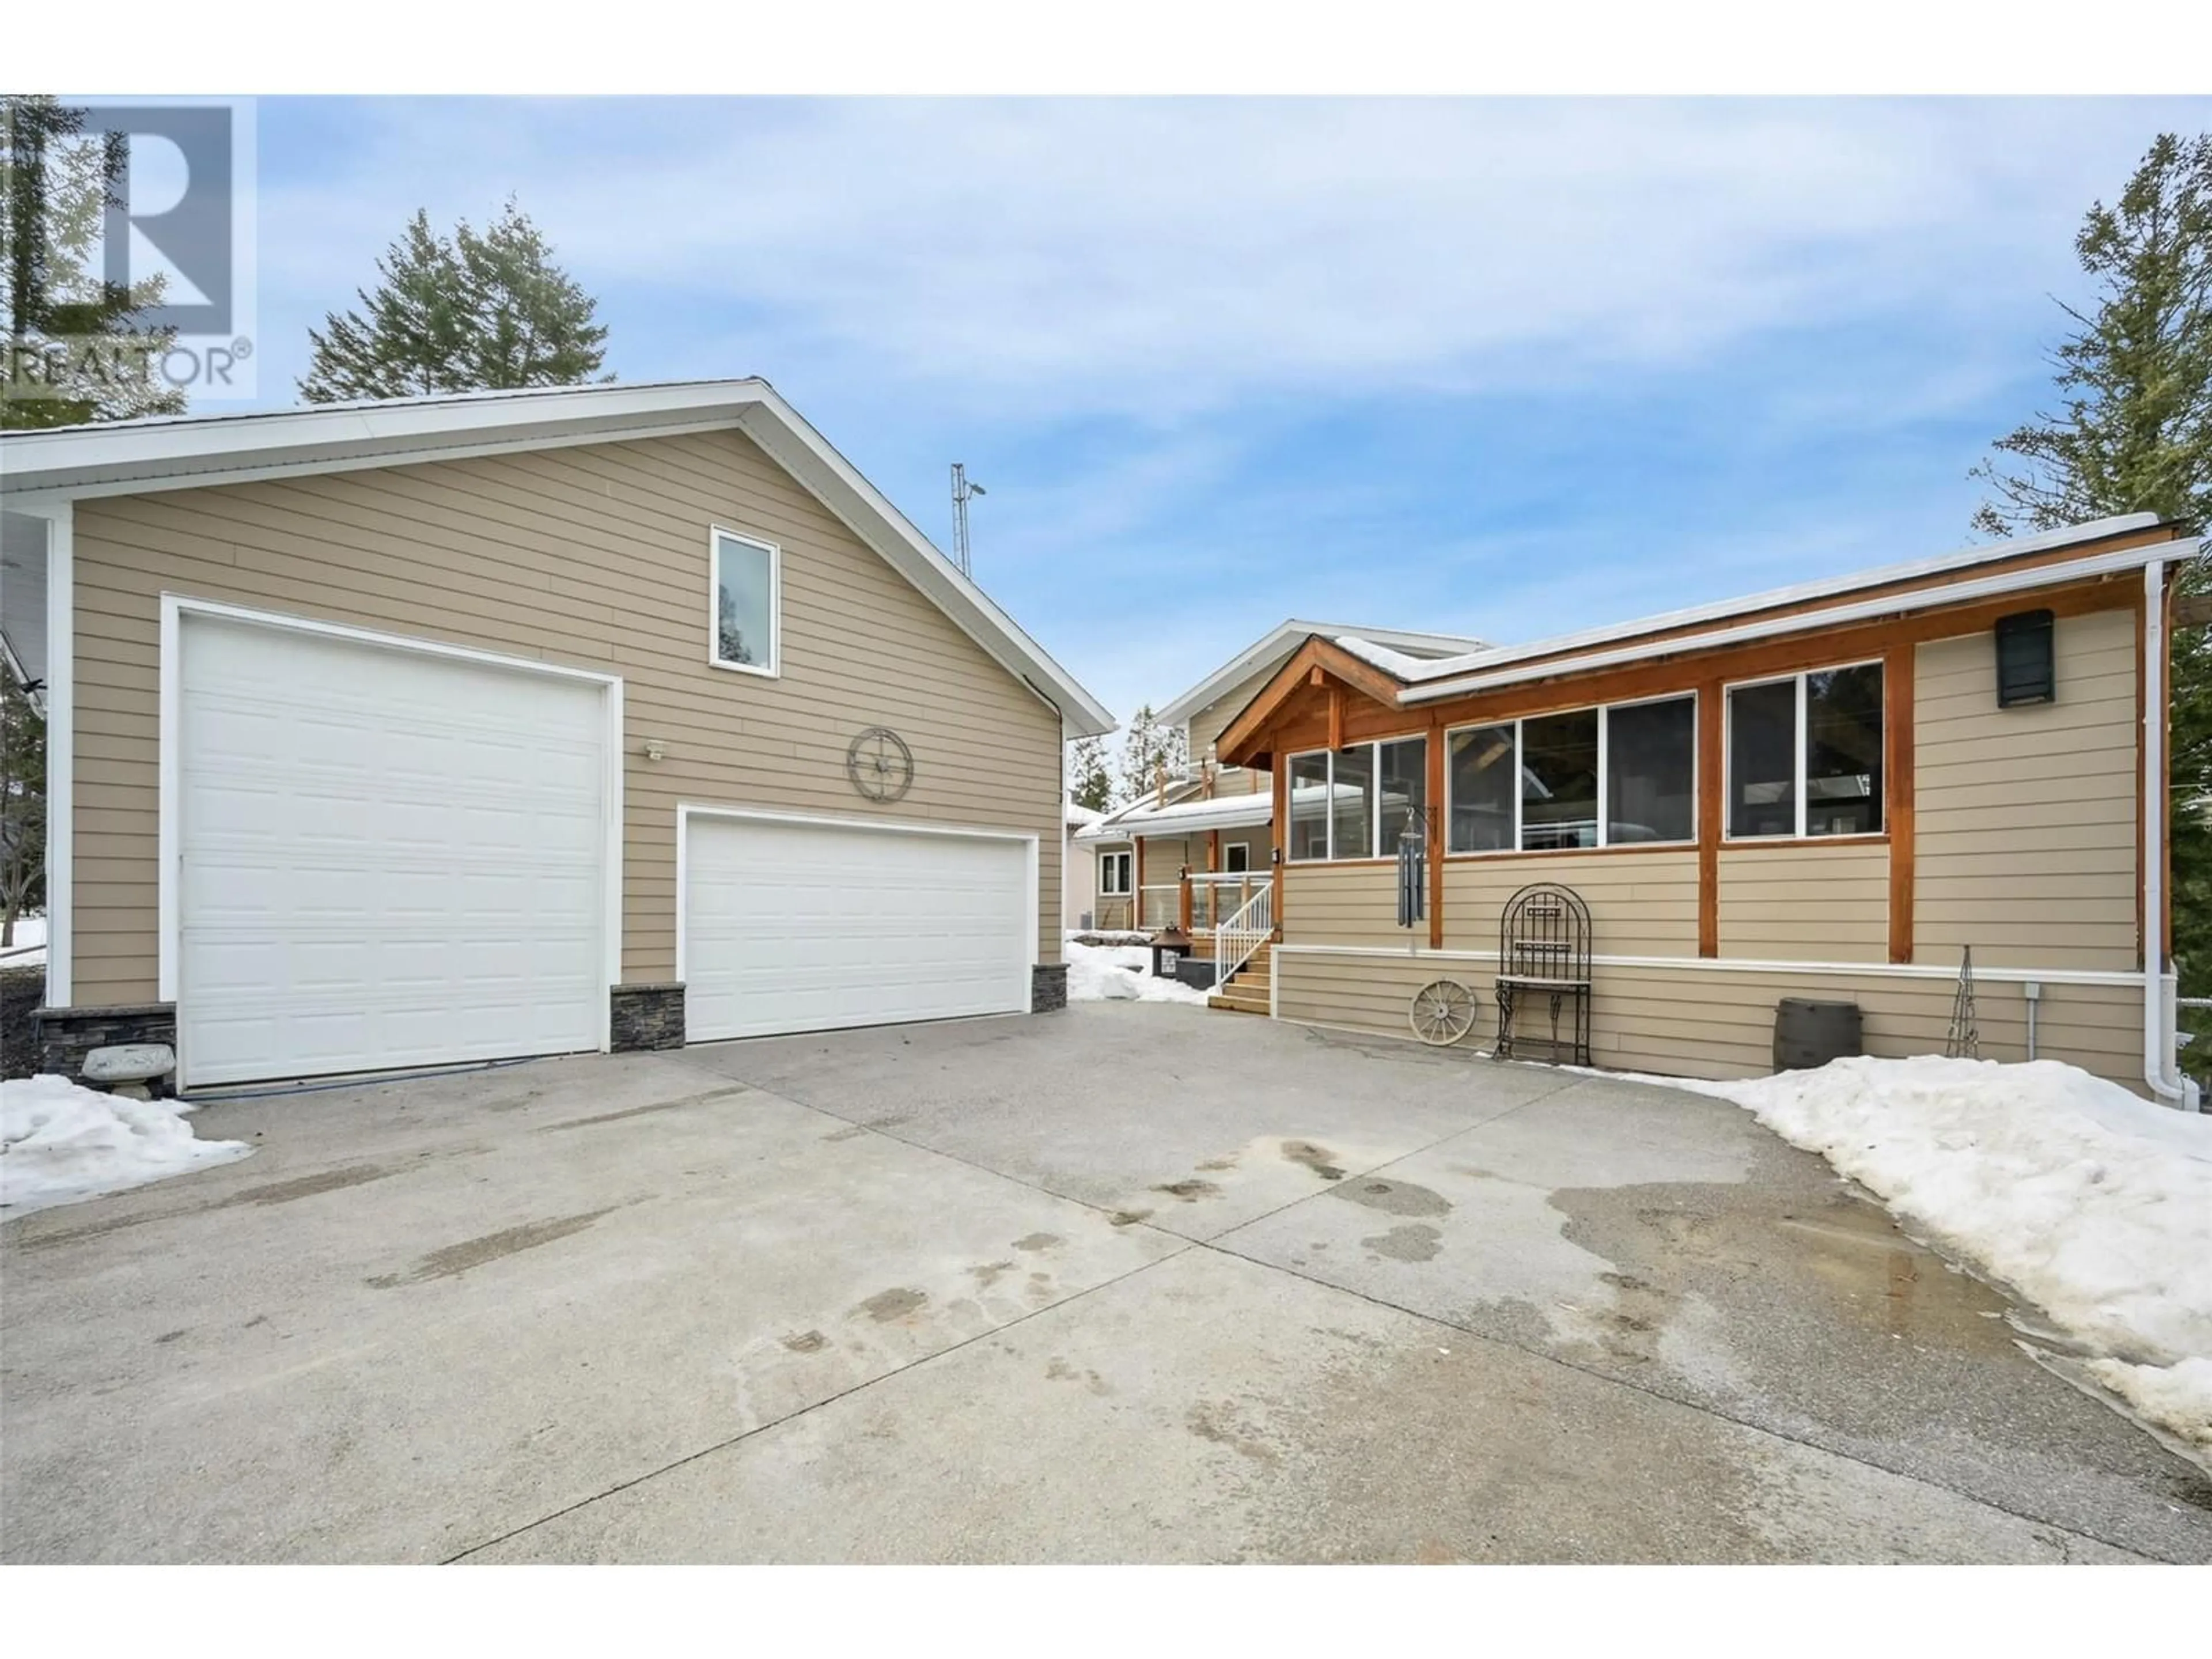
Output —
(1189, 1192)
(1396, 1197)
(884, 1306)
(1322, 1161)
(853, 1133)
(330, 1181)
(1414, 1242)
(1217, 1164)
(476, 1252)
(1215, 1423)
(166, 1336)
(1128, 1217)
(641, 1111)
(987, 1273)
(806, 1342)
(1035, 1242)
(1059, 1371)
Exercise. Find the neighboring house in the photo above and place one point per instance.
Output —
(1079, 870)
(1828, 791)
(1213, 821)
(466, 728)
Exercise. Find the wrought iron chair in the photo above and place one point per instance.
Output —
(1544, 953)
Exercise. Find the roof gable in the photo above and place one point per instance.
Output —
(132, 457)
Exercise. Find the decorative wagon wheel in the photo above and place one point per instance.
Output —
(880, 764)
(1443, 1012)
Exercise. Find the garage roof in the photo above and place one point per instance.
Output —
(128, 456)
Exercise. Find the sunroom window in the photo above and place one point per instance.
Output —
(1618, 776)
(1356, 803)
(1805, 755)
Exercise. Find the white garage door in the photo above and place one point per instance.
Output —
(807, 927)
(387, 858)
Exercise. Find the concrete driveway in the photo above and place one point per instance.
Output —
(1131, 1283)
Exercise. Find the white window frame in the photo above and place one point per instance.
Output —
(1604, 843)
(1374, 747)
(1106, 862)
(1234, 851)
(1728, 837)
(716, 535)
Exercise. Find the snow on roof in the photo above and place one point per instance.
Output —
(1279, 641)
(1181, 817)
(1078, 814)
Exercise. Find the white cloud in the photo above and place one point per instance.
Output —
(1075, 256)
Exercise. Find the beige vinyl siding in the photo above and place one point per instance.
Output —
(1209, 722)
(595, 557)
(1342, 904)
(1241, 781)
(1641, 905)
(1715, 1022)
(1804, 901)
(2026, 817)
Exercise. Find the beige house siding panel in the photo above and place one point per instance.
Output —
(1341, 904)
(1713, 1022)
(1641, 905)
(1805, 902)
(1211, 721)
(594, 557)
(2026, 817)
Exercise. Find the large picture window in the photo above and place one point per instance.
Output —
(1584, 778)
(1805, 755)
(747, 583)
(1358, 802)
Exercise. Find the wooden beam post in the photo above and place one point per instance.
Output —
(1182, 900)
(1280, 831)
(1335, 718)
(1897, 684)
(1137, 885)
(1710, 811)
(1436, 830)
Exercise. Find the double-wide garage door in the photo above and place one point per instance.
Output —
(386, 857)
(807, 927)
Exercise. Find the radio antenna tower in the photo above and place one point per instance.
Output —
(962, 490)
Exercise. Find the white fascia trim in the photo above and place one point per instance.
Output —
(1279, 644)
(1797, 593)
(2162, 1075)
(60, 699)
(2050, 575)
(2113, 978)
(169, 832)
(786, 435)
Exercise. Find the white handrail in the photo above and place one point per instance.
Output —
(1237, 938)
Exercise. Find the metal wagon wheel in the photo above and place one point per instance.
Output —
(1443, 1012)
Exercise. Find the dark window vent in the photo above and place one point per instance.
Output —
(2027, 672)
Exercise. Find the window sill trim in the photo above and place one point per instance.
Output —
(774, 671)
(1504, 852)
(1734, 844)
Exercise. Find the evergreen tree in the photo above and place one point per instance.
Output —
(22, 805)
(1147, 748)
(471, 312)
(76, 350)
(1088, 783)
(2133, 433)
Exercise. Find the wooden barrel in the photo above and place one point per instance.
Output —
(1807, 1034)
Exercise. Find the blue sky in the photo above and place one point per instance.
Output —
(1501, 366)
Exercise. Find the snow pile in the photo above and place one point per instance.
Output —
(1120, 973)
(2092, 1203)
(29, 949)
(60, 1143)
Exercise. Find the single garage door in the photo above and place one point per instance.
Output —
(387, 858)
(791, 926)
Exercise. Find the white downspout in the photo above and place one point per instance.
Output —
(2159, 1073)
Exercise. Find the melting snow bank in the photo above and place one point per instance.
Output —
(1120, 973)
(60, 1143)
(2092, 1203)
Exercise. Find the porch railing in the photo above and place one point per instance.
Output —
(1238, 936)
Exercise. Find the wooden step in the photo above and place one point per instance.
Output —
(1237, 1004)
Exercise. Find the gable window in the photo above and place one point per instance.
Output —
(1114, 875)
(1805, 755)
(1358, 802)
(748, 595)
(1618, 776)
